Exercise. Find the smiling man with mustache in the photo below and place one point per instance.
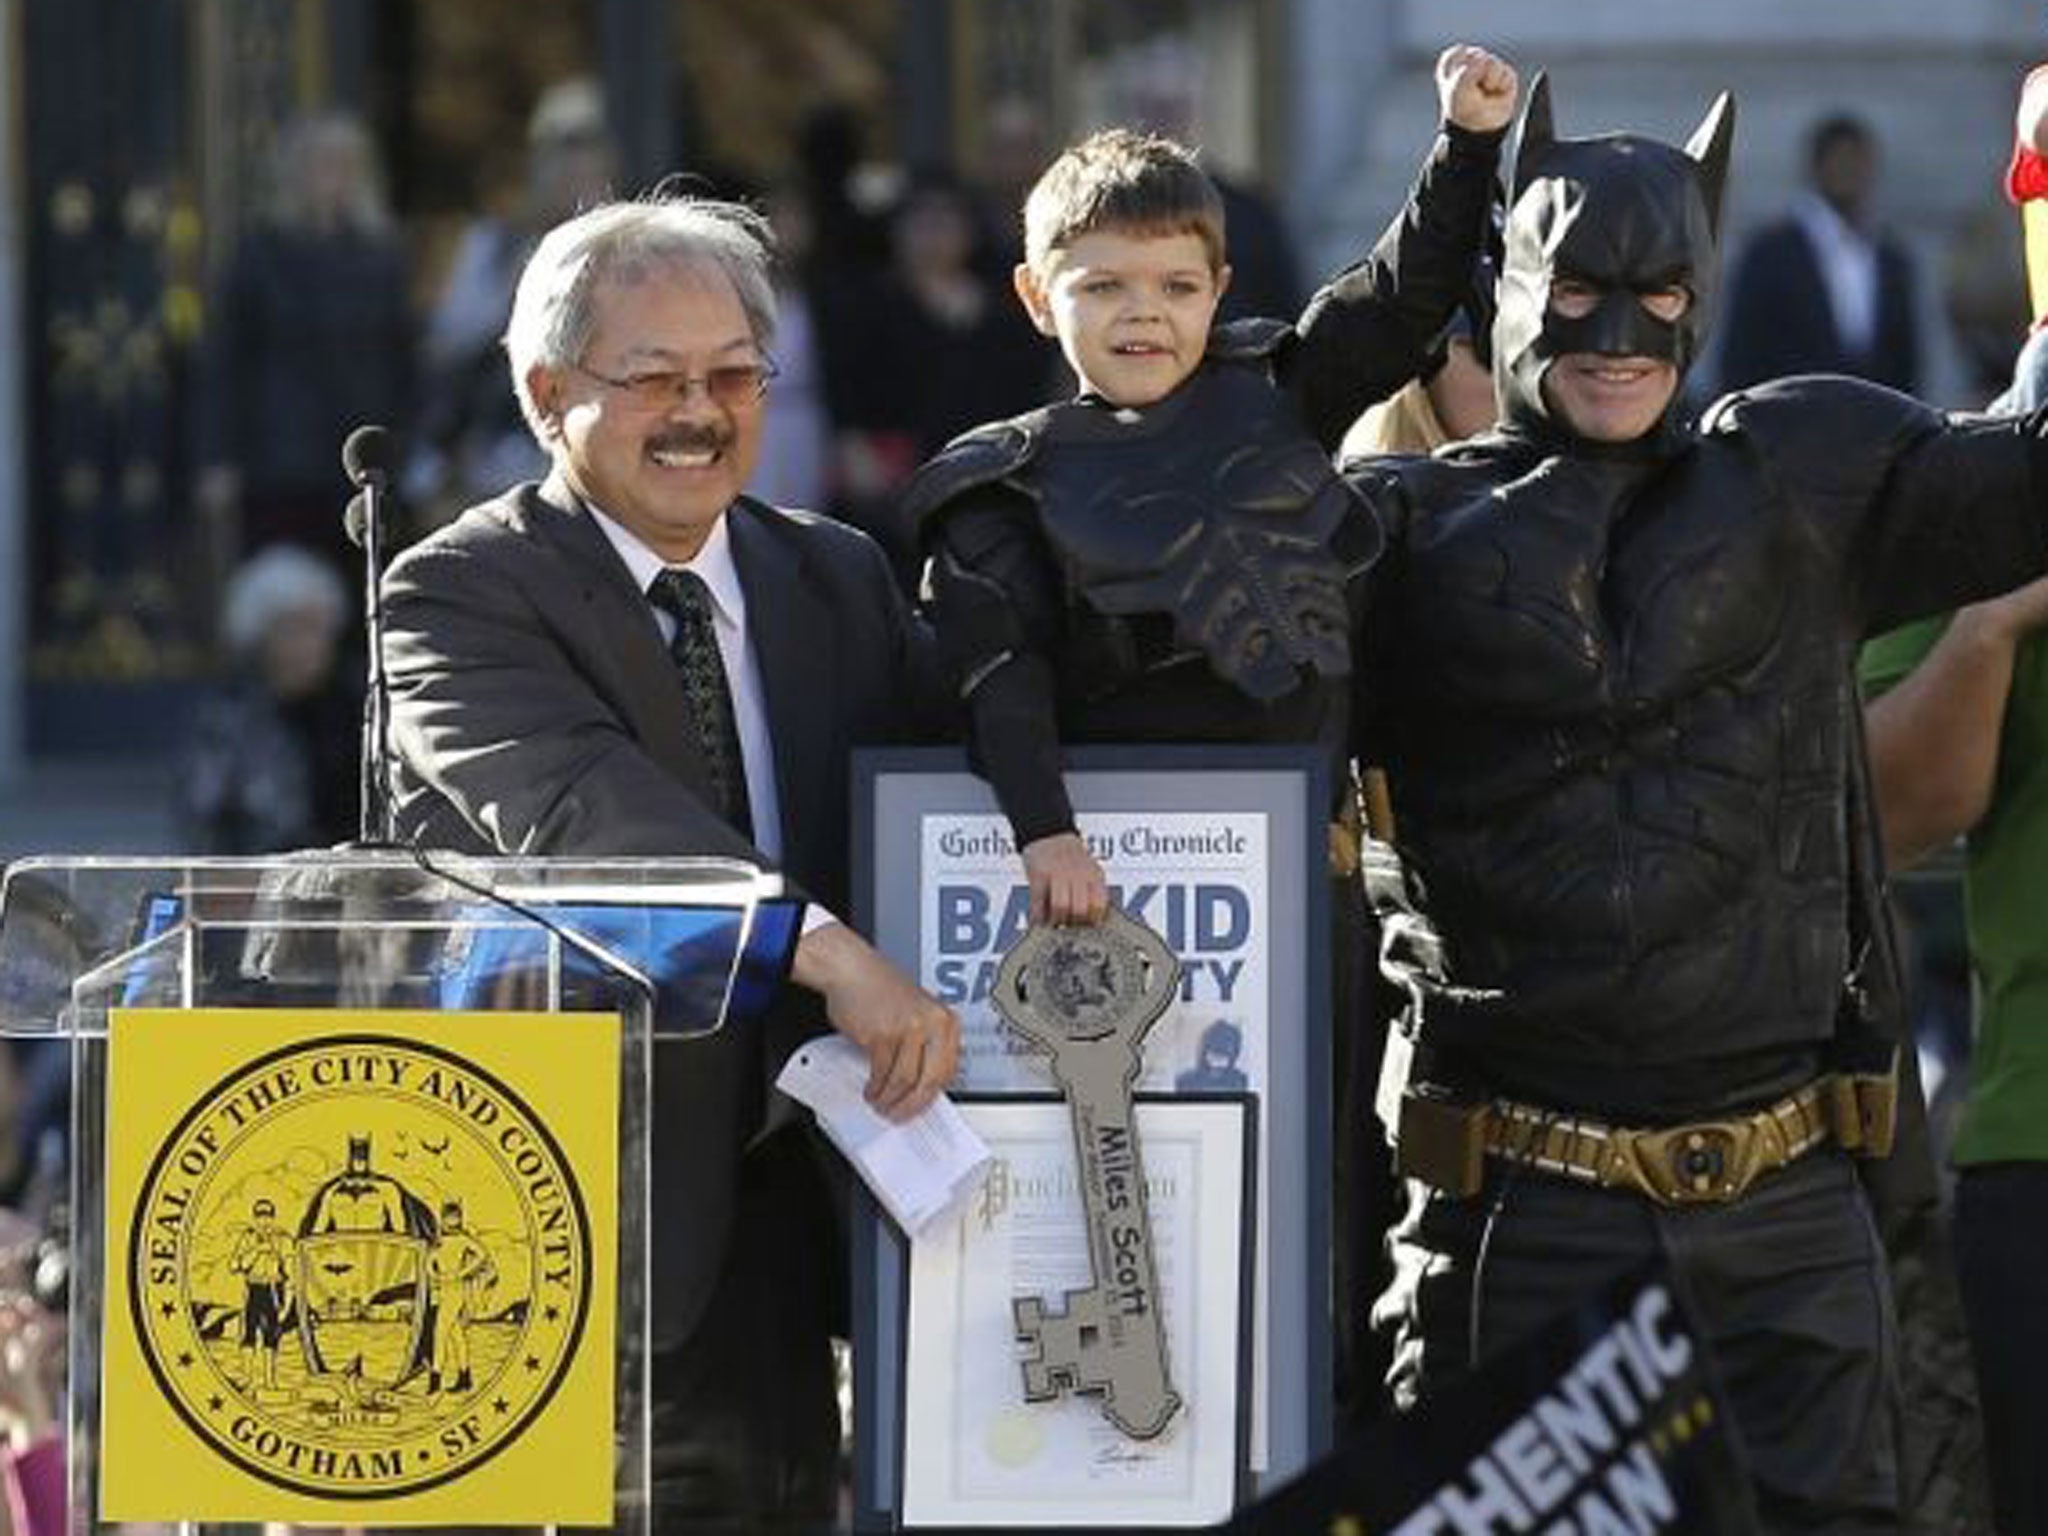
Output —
(635, 658)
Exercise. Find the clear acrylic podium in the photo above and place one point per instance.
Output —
(673, 947)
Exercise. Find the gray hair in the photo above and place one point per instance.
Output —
(279, 579)
(553, 309)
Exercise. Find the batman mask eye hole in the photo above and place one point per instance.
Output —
(1574, 297)
(1667, 303)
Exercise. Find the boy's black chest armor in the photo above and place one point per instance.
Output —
(1215, 510)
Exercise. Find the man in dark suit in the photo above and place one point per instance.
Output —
(1822, 290)
(634, 658)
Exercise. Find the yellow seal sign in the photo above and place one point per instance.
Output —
(360, 1266)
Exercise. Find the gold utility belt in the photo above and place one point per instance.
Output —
(1445, 1143)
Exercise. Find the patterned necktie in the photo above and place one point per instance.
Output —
(683, 596)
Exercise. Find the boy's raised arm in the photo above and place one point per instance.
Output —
(1367, 331)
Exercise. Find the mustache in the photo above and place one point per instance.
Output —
(692, 438)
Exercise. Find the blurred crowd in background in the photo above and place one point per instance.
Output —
(898, 329)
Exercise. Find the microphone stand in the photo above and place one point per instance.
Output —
(362, 457)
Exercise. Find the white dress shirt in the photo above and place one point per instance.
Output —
(714, 566)
(1848, 270)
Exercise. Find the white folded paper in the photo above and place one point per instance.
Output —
(918, 1167)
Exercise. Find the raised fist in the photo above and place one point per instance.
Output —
(1474, 89)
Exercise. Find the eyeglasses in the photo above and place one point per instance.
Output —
(731, 386)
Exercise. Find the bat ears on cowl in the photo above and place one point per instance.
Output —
(1708, 147)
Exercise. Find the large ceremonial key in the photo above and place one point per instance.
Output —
(1087, 995)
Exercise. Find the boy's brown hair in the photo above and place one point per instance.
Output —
(1116, 179)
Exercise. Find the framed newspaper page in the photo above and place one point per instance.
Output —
(973, 1452)
(1223, 851)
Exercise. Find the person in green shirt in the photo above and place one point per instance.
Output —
(1958, 730)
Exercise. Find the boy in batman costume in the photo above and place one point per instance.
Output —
(1171, 556)
(1609, 666)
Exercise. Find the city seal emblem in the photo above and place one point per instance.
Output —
(360, 1266)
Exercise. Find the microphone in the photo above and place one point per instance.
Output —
(366, 456)
(366, 459)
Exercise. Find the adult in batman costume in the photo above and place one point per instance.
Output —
(1608, 665)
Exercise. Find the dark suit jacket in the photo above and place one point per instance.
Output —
(535, 710)
(1781, 322)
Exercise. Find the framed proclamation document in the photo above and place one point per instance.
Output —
(1223, 852)
(973, 1452)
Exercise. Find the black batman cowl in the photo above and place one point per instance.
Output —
(1629, 215)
